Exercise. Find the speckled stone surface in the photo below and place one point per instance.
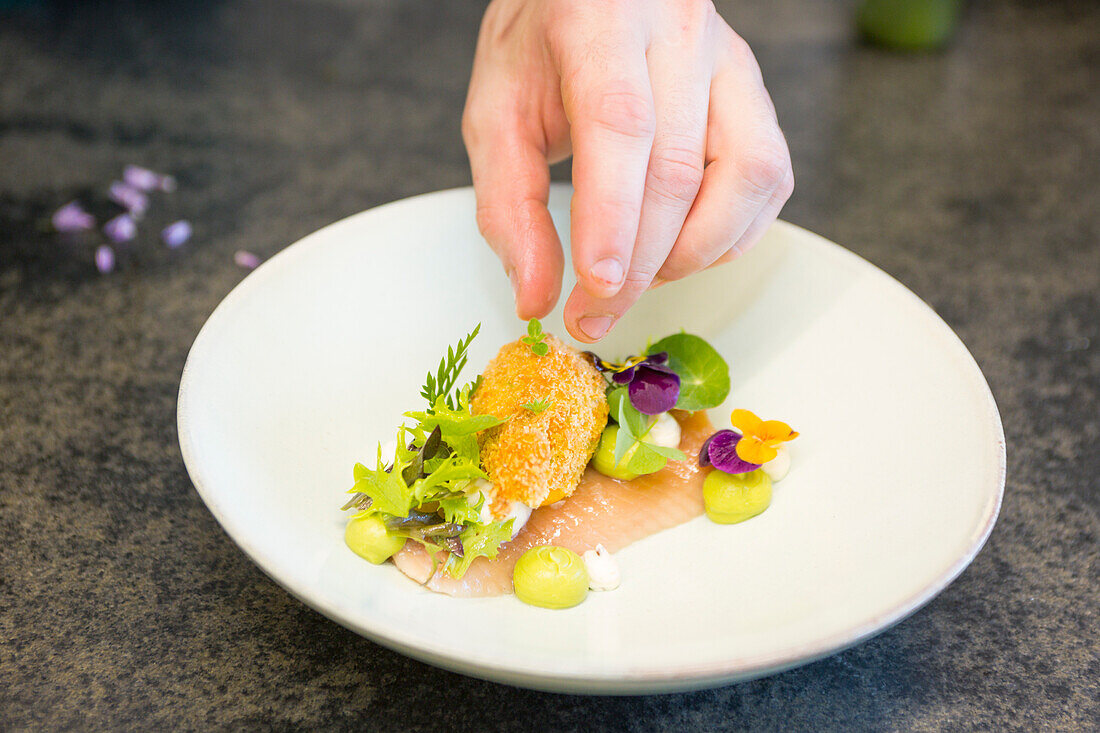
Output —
(972, 176)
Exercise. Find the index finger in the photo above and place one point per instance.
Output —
(609, 103)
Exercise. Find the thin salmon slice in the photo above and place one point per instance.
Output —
(601, 511)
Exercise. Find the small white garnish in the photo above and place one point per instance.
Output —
(603, 571)
(481, 489)
(517, 510)
(665, 432)
(778, 467)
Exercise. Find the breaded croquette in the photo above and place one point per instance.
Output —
(539, 456)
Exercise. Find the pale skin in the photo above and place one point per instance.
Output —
(678, 160)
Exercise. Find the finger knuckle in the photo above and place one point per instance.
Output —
(623, 109)
(492, 222)
(476, 120)
(683, 261)
(739, 49)
(695, 16)
(675, 175)
(786, 187)
(639, 278)
(765, 165)
(469, 127)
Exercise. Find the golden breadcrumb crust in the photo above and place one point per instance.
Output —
(536, 456)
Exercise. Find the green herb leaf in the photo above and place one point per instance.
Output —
(454, 422)
(538, 407)
(645, 459)
(440, 384)
(640, 457)
(624, 443)
(535, 338)
(633, 427)
(452, 476)
(636, 424)
(478, 540)
(387, 490)
(704, 374)
(458, 509)
(674, 454)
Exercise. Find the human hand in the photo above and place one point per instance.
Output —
(678, 160)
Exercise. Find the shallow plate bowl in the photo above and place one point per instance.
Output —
(896, 480)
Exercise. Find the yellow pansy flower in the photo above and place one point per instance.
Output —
(759, 438)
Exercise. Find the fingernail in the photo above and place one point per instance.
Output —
(595, 327)
(608, 271)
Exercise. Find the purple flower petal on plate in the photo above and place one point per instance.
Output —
(167, 184)
(72, 218)
(246, 260)
(661, 357)
(104, 259)
(176, 233)
(120, 229)
(129, 198)
(623, 377)
(720, 451)
(653, 389)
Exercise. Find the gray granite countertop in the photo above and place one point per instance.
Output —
(972, 176)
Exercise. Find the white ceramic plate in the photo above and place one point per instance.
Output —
(312, 359)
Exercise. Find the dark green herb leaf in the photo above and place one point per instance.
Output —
(704, 374)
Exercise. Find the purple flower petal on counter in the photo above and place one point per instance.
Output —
(104, 259)
(176, 233)
(72, 218)
(720, 451)
(129, 198)
(120, 229)
(246, 260)
(140, 178)
(653, 389)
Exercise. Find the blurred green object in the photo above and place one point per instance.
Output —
(908, 25)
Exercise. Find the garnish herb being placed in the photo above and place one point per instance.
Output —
(536, 339)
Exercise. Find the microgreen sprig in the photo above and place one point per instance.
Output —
(539, 406)
(536, 339)
(442, 383)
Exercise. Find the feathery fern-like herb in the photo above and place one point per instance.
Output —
(442, 383)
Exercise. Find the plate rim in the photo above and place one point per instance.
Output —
(679, 678)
